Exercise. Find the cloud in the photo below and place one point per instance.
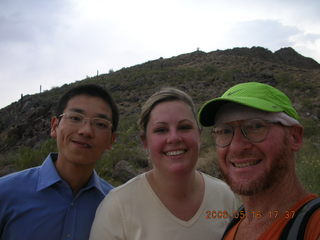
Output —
(308, 45)
(265, 33)
(30, 21)
(50, 43)
(28, 30)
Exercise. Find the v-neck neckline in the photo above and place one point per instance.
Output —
(184, 223)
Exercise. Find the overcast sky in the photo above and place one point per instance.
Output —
(53, 42)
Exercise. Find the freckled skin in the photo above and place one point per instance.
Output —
(273, 155)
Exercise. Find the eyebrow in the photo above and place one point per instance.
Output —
(98, 115)
(179, 122)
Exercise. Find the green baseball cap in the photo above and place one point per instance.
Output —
(252, 94)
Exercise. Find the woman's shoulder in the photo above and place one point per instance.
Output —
(214, 181)
(132, 191)
(130, 186)
(219, 193)
(216, 184)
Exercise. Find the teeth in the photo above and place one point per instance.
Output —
(246, 164)
(174, 153)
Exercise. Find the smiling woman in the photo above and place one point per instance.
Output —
(173, 195)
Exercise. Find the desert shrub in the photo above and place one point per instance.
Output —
(127, 147)
(308, 166)
(283, 78)
(28, 157)
(311, 128)
(7, 159)
(227, 76)
(210, 69)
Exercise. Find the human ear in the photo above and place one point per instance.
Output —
(113, 139)
(144, 140)
(54, 125)
(296, 137)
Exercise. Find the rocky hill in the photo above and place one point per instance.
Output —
(203, 75)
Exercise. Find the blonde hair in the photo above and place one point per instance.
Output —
(164, 95)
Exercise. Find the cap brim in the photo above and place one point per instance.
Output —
(209, 109)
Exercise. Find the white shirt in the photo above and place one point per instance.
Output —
(134, 212)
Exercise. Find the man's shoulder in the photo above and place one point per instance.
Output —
(14, 184)
(132, 190)
(309, 219)
(105, 185)
(20, 176)
(130, 187)
(313, 227)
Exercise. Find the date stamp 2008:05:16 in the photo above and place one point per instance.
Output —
(218, 214)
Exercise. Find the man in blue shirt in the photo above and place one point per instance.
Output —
(58, 199)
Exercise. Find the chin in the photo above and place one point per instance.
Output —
(248, 189)
(83, 160)
(178, 170)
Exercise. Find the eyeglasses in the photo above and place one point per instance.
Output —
(255, 130)
(78, 119)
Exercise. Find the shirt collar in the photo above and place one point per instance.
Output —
(94, 182)
(48, 176)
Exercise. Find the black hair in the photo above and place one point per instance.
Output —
(90, 90)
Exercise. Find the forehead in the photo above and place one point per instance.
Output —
(232, 112)
(248, 122)
(89, 104)
(171, 110)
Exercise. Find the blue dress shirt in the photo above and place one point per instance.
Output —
(36, 204)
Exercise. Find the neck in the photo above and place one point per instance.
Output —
(181, 195)
(75, 175)
(177, 186)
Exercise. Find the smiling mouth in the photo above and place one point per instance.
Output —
(246, 164)
(85, 145)
(175, 153)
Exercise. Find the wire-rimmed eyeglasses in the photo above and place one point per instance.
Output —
(255, 130)
(78, 119)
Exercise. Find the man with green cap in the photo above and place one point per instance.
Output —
(256, 132)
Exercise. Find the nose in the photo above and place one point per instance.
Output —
(86, 128)
(173, 136)
(239, 140)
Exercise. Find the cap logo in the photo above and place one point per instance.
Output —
(231, 93)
